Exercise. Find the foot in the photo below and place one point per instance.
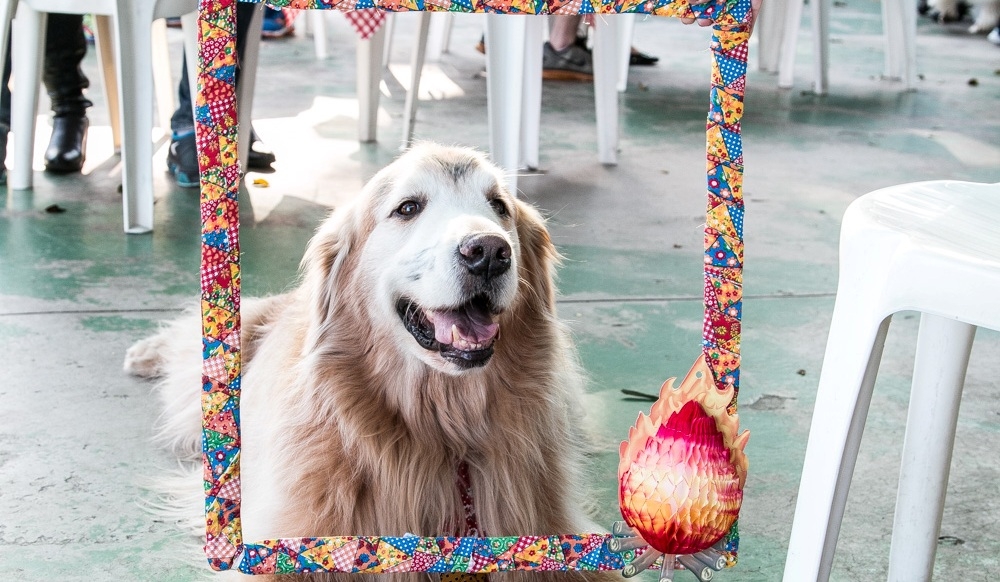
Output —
(570, 64)
(275, 25)
(182, 160)
(68, 144)
(260, 157)
(640, 59)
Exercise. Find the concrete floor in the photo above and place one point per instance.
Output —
(75, 292)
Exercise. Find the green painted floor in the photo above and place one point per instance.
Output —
(75, 457)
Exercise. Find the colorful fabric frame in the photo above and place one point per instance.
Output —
(220, 298)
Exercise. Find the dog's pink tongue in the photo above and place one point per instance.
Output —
(473, 326)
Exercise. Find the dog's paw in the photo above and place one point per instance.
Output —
(143, 359)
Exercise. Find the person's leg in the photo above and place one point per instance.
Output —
(65, 47)
(182, 157)
(276, 24)
(260, 157)
(562, 58)
(562, 33)
(4, 114)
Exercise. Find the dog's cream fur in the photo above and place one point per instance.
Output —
(349, 425)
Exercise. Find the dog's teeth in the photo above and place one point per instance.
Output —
(455, 338)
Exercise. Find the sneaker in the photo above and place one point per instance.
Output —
(275, 25)
(182, 160)
(570, 64)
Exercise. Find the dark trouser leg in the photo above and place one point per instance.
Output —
(65, 47)
(182, 120)
(4, 114)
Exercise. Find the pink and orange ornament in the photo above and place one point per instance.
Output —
(681, 475)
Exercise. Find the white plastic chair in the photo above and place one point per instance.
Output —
(909, 247)
(769, 34)
(514, 86)
(899, 22)
(132, 21)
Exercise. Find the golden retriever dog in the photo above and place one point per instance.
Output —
(419, 358)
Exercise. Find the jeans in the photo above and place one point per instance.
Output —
(65, 47)
(182, 121)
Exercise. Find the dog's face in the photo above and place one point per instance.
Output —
(439, 260)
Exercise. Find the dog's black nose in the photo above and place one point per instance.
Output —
(485, 255)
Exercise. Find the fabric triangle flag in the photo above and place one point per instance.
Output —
(734, 177)
(738, 50)
(590, 560)
(216, 440)
(731, 69)
(734, 144)
(736, 216)
(724, 364)
(365, 557)
(718, 219)
(439, 567)
(719, 253)
(716, 143)
(407, 544)
(732, 42)
(389, 555)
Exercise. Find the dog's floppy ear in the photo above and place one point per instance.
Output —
(324, 262)
(538, 255)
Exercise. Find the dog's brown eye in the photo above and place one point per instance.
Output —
(408, 209)
(499, 206)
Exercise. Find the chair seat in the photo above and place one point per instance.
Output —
(936, 241)
(928, 247)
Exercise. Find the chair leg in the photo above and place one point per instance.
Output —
(163, 83)
(943, 347)
(531, 103)
(769, 28)
(845, 388)
(189, 29)
(505, 40)
(29, 46)
(606, 75)
(135, 61)
(821, 45)
(625, 23)
(899, 23)
(104, 40)
(317, 22)
(789, 44)
(389, 24)
(369, 75)
(416, 70)
(245, 88)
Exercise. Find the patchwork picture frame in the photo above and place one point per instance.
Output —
(216, 127)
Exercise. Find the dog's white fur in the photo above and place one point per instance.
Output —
(349, 425)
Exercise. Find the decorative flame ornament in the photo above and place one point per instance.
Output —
(681, 475)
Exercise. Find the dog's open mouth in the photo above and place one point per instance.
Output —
(464, 335)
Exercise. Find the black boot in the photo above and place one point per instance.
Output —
(4, 132)
(68, 145)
